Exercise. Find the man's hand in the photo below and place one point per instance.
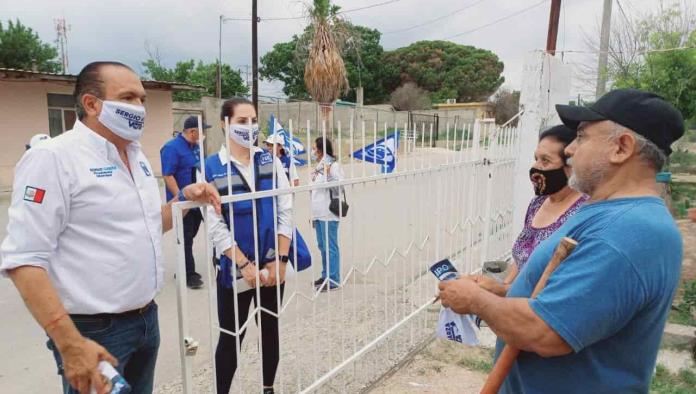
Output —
(272, 279)
(203, 193)
(80, 360)
(457, 294)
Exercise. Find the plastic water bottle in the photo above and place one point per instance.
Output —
(118, 383)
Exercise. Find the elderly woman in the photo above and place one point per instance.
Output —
(554, 203)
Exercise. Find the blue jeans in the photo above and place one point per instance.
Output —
(133, 339)
(334, 264)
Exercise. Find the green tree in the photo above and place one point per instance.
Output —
(21, 48)
(362, 55)
(445, 69)
(201, 74)
(666, 64)
(654, 52)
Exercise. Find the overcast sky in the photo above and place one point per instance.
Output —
(118, 30)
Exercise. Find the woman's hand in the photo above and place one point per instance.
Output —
(249, 274)
(490, 284)
(272, 279)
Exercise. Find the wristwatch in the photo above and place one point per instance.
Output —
(284, 259)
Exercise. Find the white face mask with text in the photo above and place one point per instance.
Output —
(125, 120)
(243, 134)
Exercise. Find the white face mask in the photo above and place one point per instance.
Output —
(123, 119)
(243, 134)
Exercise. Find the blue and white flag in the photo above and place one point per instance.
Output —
(275, 128)
(382, 152)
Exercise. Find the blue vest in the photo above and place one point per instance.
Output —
(243, 218)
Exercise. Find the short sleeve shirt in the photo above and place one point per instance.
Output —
(608, 300)
(181, 160)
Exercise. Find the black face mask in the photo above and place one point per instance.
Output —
(548, 181)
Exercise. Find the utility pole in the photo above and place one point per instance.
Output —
(254, 55)
(218, 80)
(603, 50)
(552, 35)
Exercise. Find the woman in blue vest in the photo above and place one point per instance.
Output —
(250, 169)
(276, 145)
(324, 221)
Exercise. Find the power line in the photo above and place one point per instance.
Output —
(369, 6)
(497, 20)
(637, 52)
(622, 12)
(436, 19)
(289, 18)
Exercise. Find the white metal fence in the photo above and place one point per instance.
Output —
(453, 202)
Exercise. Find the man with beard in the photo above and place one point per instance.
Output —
(596, 327)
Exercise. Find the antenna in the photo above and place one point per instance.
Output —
(62, 29)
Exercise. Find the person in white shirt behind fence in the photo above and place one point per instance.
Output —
(83, 243)
(324, 221)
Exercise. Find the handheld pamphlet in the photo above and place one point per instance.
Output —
(451, 325)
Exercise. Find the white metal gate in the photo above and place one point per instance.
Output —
(453, 202)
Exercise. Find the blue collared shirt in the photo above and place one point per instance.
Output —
(181, 160)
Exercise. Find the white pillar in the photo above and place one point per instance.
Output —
(545, 83)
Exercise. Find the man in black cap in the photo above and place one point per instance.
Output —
(597, 325)
(180, 161)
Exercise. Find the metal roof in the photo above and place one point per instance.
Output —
(40, 76)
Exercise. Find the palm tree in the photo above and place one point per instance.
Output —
(325, 73)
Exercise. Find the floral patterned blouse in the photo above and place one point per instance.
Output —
(530, 236)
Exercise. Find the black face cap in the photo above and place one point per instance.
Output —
(645, 113)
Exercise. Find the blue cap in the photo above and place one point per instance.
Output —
(192, 122)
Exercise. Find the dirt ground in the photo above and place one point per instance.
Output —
(448, 367)
(442, 367)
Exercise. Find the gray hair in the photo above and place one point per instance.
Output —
(645, 149)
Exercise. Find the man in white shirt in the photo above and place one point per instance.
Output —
(83, 245)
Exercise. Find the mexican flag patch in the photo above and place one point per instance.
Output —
(34, 194)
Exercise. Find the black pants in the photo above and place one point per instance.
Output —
(192, 222)
(226, 352)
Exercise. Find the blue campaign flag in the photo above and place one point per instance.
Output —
(274, 127)
(382, 152)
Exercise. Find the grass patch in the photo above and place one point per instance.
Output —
(690, 135)
(665, 382)
(682, 161)
(683, 198)
(681, 311)
(475, 364)
(480, 362)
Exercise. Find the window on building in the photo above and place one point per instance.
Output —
(61, 113)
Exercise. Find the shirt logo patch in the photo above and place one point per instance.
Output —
(145, 169)
(101, 172)
(265, 159)
(34, 194)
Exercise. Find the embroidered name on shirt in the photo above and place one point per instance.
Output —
(34, 194)
(101, 172)
(145, 169)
